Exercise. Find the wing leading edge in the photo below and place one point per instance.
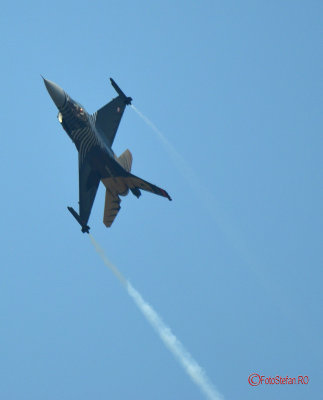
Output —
(134, 182)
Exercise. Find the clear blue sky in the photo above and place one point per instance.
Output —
(233, 264)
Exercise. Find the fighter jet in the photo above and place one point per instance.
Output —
(93, 136)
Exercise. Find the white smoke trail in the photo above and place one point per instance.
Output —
(109, 264)
(177, 158)
(222, 218)
(201, 191)
(191, 367)
(210, 203)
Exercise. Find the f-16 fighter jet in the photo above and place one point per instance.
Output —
(93, 136)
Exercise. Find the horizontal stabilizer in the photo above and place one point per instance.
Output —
(111, 208)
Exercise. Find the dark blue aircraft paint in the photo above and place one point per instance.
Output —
(93, 136)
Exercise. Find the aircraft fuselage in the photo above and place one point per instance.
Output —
(93, 135)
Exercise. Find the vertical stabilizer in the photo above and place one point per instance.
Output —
(125, 160)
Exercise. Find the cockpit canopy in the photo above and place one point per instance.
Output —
(73, 116)
(78, 110)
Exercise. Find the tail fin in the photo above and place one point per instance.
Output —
(125, 160)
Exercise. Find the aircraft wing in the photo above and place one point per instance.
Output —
(112, 199)
(120, 181)
(88, 185)
(107, 119)
(134, 182)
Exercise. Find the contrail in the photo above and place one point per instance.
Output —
(188, 173)
(112, 267)
(215, 209)
(202, 192)
(222, 218)
(190, 366)
(177, 158)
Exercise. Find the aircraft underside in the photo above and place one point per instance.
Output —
(93, 136)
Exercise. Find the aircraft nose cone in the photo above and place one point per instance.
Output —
(56, 93)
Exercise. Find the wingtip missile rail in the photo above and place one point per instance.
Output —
(127, 99)
(85, 228)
